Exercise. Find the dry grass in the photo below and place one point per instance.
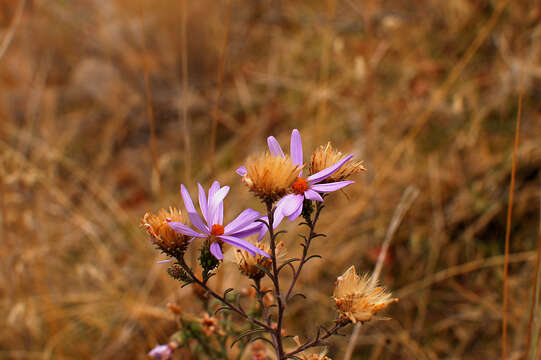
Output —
(424, 92)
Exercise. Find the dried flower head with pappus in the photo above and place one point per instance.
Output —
(254, 267)
(278, 180)
(269, 177)
(161, 234)
(326, 156)
(359, 298)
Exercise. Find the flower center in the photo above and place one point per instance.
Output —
(300, 186)
(217, 230)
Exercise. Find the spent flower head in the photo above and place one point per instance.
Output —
(210, 325)
(326, 156)
(311, 355)
(251, 266)
(359, 298)
(211, 227)
(269, 177)
(161, 235)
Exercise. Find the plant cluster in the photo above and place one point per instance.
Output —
(242, 323)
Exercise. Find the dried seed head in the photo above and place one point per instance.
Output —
(310, 355)
(320, 356)
(359, 298)
(270, 177)
(250, 265)
(161, 234)
(327, 156)
(210, 325)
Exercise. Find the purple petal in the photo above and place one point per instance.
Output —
(296, 214)
(187, 199)
(212, 190)
(330, 187)
(279, 212)
(312, 195)
(247, 231)
(203, 204)
(242, 170)
(215, 210)
(220, 214)
(198, 222)
(245, 218)
(325, 173)
(296, 148)
(263, 230)
(185, 230)
(161, 352)
(274, 147)
(164, 261)
(192, 213)
(251, 248)
(216, 251)
(292, 203)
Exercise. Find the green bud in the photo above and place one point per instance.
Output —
(208, 261)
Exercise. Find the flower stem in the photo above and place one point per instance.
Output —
(279, 348)
(318, 341)
(222, 299)
(304, 259)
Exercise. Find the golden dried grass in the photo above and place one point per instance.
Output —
(79, 279)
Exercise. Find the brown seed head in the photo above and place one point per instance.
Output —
(161, 234)
(270, 177)
(248, 264)
(327, 156)
(359, 298)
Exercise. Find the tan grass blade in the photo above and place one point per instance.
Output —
(535, 317)
(150, 111)
(12, 27)
(186, 124)
(215, 111)
(508, 232)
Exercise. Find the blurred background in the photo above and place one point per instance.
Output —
(107, 106)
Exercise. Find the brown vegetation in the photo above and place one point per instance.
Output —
(425, 92)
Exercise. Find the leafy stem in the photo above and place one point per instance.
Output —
(306, 245)
(237, 309)
(318, 340)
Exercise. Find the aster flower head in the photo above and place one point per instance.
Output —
(269, 176)
(211, 227)
(302, 188)
(161, 235)
(326, 156)
(359, 298)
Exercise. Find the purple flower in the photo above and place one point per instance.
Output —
(303, 188)
(212, 209)
(309, 188)
(161, 352)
